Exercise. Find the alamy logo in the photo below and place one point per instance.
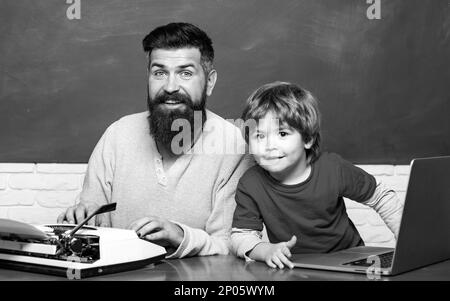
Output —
(72, 273)
(374, 271)
(374, 10)
(74, 10)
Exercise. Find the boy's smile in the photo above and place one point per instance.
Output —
(280, 149)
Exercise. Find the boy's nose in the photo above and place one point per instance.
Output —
(270, 144)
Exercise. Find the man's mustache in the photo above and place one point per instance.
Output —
(175, 97)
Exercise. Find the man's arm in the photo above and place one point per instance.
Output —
(215, 238)
(97, 185)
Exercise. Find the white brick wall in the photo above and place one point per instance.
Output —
(38, 193)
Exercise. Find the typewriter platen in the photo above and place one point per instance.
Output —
(74, 251)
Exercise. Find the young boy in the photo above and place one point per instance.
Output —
(295, 190)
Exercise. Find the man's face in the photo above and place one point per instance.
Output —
(175, 72)
(177, 86)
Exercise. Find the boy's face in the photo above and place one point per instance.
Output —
(277, 147)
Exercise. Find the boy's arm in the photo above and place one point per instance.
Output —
(387, 204)
(360, 186)
(243, 241)
(354, 182)
(247, 220)
(248, 244)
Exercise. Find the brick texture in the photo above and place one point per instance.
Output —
(38, 193)
(3, 212)
(17, 167)
(34, 215)
(53, 199)
(61, 168)
(3, 181)
(17, 198)
(378, 170)
(45, 181)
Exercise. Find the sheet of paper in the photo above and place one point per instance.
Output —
(11, 227)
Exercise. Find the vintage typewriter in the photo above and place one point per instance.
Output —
(74, 251)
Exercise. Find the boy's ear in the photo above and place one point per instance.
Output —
(309, 144)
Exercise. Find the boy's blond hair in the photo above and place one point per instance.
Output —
(292, 105)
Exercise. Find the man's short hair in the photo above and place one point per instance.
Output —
(292, 105)
(181, 35)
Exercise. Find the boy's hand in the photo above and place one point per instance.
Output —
(275, 255)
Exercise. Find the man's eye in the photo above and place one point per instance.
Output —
(260, 136)
(186, 74)
(158, 73)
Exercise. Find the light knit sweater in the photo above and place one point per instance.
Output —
(197, 192)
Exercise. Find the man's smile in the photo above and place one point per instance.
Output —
(172, 101)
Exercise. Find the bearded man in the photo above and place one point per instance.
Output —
(167, 188)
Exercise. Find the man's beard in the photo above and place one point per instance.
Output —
(161, 117)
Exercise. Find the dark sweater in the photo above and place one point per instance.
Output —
(313, 210)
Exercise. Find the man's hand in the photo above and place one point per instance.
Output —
(78, 213)
(158, 230)
(275, 255)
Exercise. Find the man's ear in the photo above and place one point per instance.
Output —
(147, 55)
(211, 81)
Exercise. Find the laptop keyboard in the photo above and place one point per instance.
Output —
(385, 261)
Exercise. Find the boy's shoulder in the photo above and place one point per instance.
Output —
(333, 162)
(251, 174)
(325, 161)
(329, 158)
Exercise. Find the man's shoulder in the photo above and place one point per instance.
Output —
(127, 129)
(216, 122)
(221, 136)
(133, 123)
(133, 120)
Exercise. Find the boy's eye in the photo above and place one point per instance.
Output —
(283, 134)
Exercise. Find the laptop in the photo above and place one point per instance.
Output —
(424, 235)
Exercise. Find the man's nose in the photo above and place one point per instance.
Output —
(171, 85)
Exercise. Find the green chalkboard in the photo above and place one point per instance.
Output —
(382, 83)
